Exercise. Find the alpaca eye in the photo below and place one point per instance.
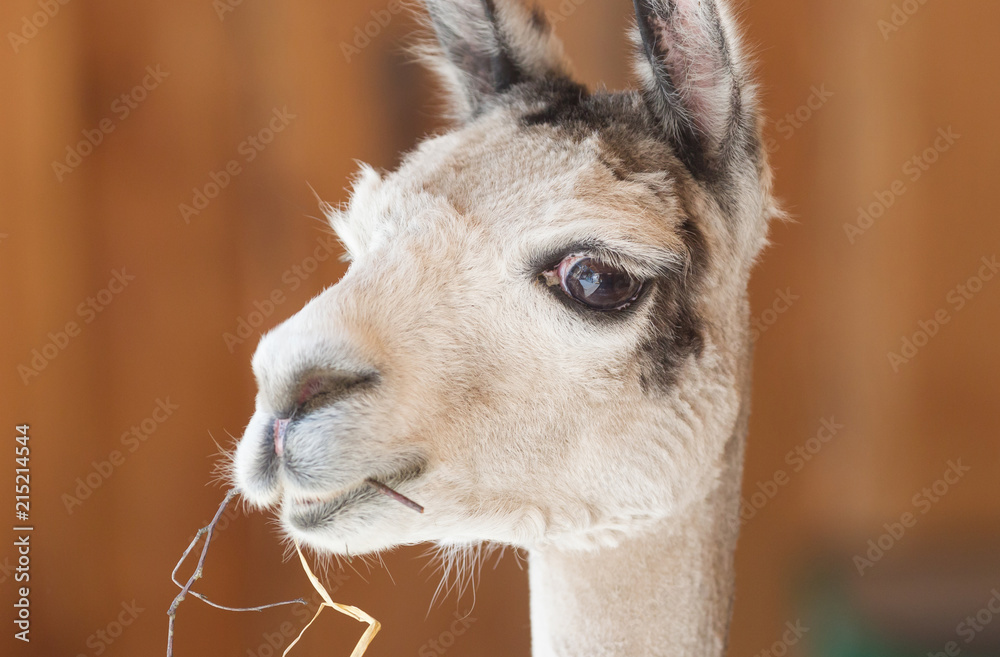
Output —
(594, 283)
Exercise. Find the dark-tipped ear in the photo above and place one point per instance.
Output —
(695, 81)
(487, 46)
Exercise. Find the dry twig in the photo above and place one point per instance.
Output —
(205, 531)
(399, 497)
(373, 625)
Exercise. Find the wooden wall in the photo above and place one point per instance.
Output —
(220, 72)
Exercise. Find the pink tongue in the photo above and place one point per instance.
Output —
(280, 426)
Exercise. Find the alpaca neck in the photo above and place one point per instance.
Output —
(665, 592)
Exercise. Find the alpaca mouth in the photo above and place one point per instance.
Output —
(316, 512)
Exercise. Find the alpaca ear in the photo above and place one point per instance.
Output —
(694, 80)
(485, 47)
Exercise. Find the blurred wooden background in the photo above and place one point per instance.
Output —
(871, 85)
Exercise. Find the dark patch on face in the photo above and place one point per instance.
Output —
(616, 169)
(677, 326)
(632, 139)
(632, 142)
(563, 102)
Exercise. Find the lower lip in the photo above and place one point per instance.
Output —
(362, 492)
(314, 501)
(317, 513)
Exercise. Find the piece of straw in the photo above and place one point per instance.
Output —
(373, 625)
(207, 531)
(199, 570)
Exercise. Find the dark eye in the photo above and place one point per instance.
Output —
(594, 283)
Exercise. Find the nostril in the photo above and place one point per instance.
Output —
(314, 392)
(317, 389)
(313, 386)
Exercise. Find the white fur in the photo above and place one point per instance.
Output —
(534, 426)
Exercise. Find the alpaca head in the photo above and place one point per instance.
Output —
(542, 333)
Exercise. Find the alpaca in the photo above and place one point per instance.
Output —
(542, 335)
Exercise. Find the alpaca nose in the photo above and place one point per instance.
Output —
(312, 391)
(323, 387)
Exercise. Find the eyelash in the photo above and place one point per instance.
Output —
(601, 287)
